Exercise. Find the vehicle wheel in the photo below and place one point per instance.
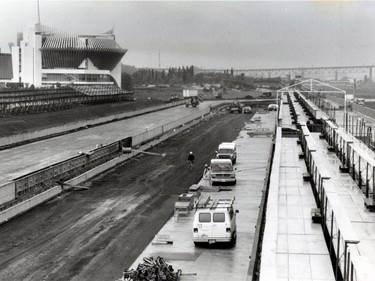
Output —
(251, 135)
(234, 239)
(186, 105)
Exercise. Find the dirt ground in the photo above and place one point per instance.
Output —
(97, 233)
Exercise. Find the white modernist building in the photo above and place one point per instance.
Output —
(44, 56)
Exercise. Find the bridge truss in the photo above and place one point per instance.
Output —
(296, 71)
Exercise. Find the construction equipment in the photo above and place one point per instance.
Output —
(236, 106)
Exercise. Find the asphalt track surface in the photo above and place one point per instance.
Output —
(97, 233)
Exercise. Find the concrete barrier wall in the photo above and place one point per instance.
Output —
(156, 137)
(10, 140)
(28, 204)
(7, 192)
(145, 136)
(150, 134)
(184, 120)
(268, 264)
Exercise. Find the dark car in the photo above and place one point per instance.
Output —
(259, 132)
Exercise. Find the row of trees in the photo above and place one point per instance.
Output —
(171, 76)
(185, 75)
(175, 76)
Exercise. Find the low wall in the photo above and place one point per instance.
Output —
(26, 137)
(7, 192)
(154, 135)
(28, 204)
(268, 263)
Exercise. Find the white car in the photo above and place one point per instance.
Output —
(273, 107)
(247, 109)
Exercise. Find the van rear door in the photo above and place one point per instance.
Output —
(204, 225)
(219, 227)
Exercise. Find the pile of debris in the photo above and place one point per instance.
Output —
(152, 270)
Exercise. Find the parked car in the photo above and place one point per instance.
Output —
(222, 172)
(247, 109)
(227, 150)
(273, 107)
(259, 132)
(255, 119)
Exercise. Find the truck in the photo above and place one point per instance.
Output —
(222, 171)
(360, 101)
(215, 221)
(192, 98)
(227, 150)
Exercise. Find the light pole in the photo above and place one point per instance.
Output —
(344, 121)
(278, 108)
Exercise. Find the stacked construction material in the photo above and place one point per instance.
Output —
(152, 270)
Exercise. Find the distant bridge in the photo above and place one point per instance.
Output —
(296, 71)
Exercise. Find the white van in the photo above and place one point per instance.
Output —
(227, 150)
(221, 171)
(215, 222)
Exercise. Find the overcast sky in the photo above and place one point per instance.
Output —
(255, 34)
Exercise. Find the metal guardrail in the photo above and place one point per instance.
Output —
(355, 159)
(347, 263)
